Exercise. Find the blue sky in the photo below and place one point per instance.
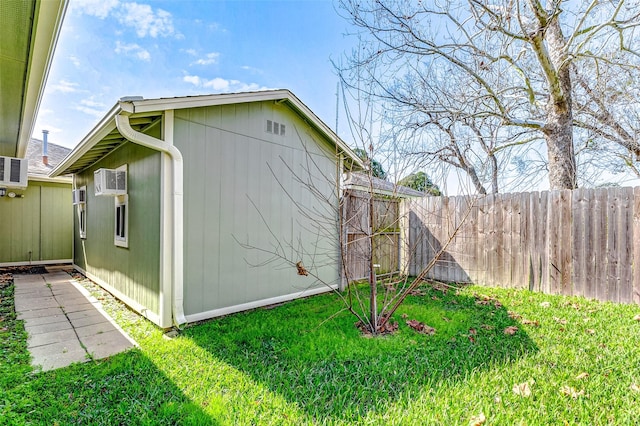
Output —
(113, 48)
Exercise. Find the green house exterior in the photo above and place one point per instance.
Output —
(36, 224)
(215, 186)
(37, 221)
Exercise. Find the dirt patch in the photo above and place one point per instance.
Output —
(23, 270)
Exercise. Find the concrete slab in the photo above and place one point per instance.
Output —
(48, 319)
(55, 336)
(78, 307)
(35, 303)
(93, 329)
(88, 320)
(57, 355)
(50, 327)
(64, 323)
(105, 344)
(38, 313)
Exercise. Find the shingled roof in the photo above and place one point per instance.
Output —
(56, 154)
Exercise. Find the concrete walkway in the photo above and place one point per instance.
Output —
(64, 322)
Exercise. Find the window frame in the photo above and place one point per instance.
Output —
(121, 221)
(82, 215)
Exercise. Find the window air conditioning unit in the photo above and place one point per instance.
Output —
(79, 196)
(13, 172)
(110, 181)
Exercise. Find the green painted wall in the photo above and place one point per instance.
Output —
(134, 271)
(230, 162)
(37, 224)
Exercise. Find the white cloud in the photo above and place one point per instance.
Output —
(94, 112)
(132, 49)
(92, 104)
(209, 58)
(191, 52)
(74, 60)
(98, 8)
(222, 85)
(145, 20)
(64, 86)
(193, 79)
(252, 69)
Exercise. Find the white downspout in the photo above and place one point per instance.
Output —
(175, 285)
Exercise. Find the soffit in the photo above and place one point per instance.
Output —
(111, 141)
(16, 17)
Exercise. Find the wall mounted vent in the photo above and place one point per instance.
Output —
(79, 196)
(110, 181)
(276, 128)
(13, 172)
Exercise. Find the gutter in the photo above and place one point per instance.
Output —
(171, 248)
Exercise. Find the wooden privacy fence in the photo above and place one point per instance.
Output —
(583, 242)
(386, 231)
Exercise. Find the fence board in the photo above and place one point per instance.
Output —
(579, 242)
(564, 242)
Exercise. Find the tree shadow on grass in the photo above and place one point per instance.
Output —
(125, 389)
(333, 373)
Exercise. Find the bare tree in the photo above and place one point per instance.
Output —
(474, 79)
(361, 219)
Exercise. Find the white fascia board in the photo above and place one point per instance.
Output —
(161, 104)
(102, 129)
(46, 30)
(60, 179)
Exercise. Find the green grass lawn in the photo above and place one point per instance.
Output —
(569, 361)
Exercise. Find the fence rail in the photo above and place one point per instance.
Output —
(583, 242)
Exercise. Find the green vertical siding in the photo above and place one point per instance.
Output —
(230, 161)
(37, 224)
(133, 271)
(56, 224)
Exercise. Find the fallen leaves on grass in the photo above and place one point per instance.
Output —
(637, 317)
(560, 320)
(417, 292)
(590, 331)
(582, 376)
(573, 305)
(545, 304)
(573, 393)
(635, 387)
(523, 389)
(524, 321)
(477, 420)
(421, 327)
(514, 315)
(511, 330)
(484, 300)
(388, 328)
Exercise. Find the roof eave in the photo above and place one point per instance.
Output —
(146, 106)
(153, 105)
(46, 30)
(103, 128)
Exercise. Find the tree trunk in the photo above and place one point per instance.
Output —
(558, 130)
(558, 134)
